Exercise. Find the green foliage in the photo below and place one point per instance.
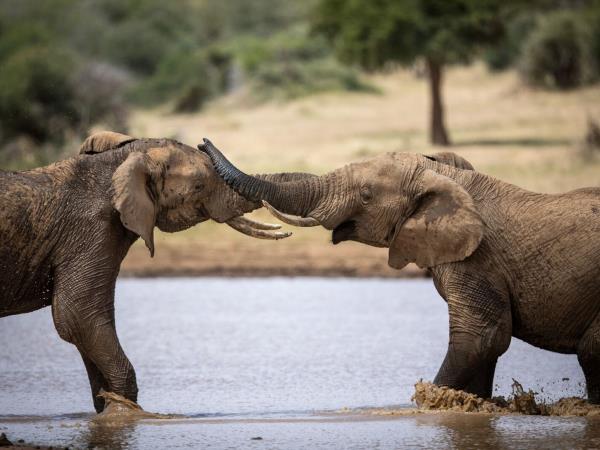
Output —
(21, 36)
(37, 97)
(294, 64)
(507, 51)
(136, 47)
(297, 79)
(374, 33)
(224, 20)
(189, 78)
(558, 53)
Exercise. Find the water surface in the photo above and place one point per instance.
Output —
(265, 357)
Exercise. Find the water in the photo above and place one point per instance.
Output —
(244, 358)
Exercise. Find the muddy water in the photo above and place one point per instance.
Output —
(270, 358)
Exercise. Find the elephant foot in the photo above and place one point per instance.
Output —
(120, 409)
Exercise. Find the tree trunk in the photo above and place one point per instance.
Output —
(438, 133)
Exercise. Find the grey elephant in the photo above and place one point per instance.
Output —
(65, 228)
(507, 261)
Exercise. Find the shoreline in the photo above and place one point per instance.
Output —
(200, 259)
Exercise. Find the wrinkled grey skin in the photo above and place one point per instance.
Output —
(65, 228)
(507, 261)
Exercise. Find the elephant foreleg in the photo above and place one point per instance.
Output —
(83, 314)
(480, 331)
(97, 382)
(467, 367)
(588, 354)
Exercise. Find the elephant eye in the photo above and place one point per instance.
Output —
(365, 194)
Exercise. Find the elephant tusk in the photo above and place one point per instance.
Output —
(259, 225)
(291, 220)
(243, 227)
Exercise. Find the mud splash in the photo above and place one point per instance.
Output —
(430, 397)
(119, 409)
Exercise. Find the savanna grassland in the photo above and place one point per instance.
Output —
(529, 137)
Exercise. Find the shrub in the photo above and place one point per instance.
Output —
(506, 53)
(100, 97)
(293, 79)
(189, 78)
(47, 95)
(136, 46)
(558, 52)
(37, 95)
(22, 36)
(293, 64)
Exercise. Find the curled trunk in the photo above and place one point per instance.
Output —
(299, 196)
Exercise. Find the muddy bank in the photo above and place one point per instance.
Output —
(259, 259)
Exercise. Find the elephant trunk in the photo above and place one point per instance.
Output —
(299, 196)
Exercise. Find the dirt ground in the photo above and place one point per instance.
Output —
(529, 137)
(261, 259)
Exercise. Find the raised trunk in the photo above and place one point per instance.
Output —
(237, 202)
(438, 133)
(299, 196)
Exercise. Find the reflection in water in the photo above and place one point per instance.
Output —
(256, 357)
(489, 431)
(102, 435)
(432, 431)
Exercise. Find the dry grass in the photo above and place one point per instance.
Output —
(524, 136)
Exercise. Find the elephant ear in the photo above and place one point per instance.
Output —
(103, 141)
(444, 226)
(451, 159)
(132, 183)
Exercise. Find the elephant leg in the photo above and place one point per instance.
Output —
(482, 382)
(480, 331)
(83, 314)
(97, 382)
(468, 366)
(588, 354)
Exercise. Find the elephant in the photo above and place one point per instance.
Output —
(65, 228)
(507, 261)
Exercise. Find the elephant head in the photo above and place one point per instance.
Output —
(163, 183)
(406, 202)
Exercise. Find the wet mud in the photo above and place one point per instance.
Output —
(118, 409)
(430, 397)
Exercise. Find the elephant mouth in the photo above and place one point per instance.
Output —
(346, 231)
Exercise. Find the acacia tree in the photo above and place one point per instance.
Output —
(373, 33)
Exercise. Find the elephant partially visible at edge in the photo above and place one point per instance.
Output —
(65, 228)
(508, 262)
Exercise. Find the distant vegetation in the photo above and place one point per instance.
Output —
(70, 64)
(554, 43)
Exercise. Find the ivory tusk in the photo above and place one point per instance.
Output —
(291, 220)
(243, 227)
(259, 225)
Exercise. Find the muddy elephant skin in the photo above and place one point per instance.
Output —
(65, 228)
(507, 261)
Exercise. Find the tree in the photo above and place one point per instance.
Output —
(373, 33)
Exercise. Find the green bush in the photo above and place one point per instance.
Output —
(188, 78)
(22, 36)
(136, 46)
(558, 52)
(292, 79)
(100, 97)
(293, 64)
(37, 97)
(506, 53)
